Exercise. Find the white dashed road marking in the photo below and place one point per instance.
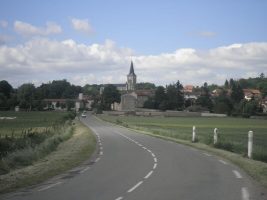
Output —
(119, 198)
(206, 154)
(237, 174)
(134, 187)
(149, 174)
(223, 162)
(245, 193)
(155, 166)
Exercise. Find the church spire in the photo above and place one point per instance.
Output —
(131, 79)
(131, 69)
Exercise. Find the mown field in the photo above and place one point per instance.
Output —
(233, 132)
(26, 120)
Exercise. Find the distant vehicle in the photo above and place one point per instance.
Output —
(84, 115)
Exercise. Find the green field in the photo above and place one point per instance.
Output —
(233, 132)
(28, 136)
(26, 120)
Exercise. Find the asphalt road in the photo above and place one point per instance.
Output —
(132, 166)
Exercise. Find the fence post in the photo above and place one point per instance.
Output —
(194, 134)
(250, 144)
(215, 136)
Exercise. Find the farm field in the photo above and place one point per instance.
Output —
(233, 132)
(26, 120)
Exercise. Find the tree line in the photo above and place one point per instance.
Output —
(29, 97)
(229, 100)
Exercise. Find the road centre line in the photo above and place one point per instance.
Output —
(237, 174)
(245, 193)
(134, 187)
(155, 160)
(155, 166)
(119, 198)
(206, 154)
(223, 162)
(149, 174)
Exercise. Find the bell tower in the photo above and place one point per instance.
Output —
(131, 79)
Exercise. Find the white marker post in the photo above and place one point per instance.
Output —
(194, 134)
(250, 144)
(215, 136)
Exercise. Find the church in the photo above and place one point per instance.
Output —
(131, 98)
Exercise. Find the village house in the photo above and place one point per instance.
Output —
(252, 93)
(132, 98)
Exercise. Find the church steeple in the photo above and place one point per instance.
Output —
(132, 69)
(131, 79)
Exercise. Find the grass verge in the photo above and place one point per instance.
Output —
(256, 169)
(67, 155)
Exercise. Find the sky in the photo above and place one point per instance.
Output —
(94, 41)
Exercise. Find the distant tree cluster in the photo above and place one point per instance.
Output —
(29, 97)
(169, 98)
(230, 99)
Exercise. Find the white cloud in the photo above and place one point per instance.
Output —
(82, 25)
(4, 39)
(207, 34)
(44, 60)
(3, 23)
(27, 29)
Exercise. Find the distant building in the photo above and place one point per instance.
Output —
(252, 93)
(131, 98)
(188, 89)
(131, 79)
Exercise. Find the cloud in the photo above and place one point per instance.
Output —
(82, 25)
(204, 34)
(27, 29)
(207, 34)
(4, 39)
(3, 23)
(45, 60)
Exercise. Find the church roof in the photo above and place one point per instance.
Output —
(131, 69)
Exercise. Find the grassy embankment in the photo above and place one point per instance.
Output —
(57, 153)
(233, 136)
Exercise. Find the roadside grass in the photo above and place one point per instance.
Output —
(67, 155)
(233, 136)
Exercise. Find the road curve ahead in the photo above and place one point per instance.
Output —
(132, 166)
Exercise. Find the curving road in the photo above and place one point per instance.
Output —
(132, 166)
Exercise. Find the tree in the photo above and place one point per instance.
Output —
(150, 103)
(26, 94)
(231, 83)
(109, 96)
(5, 88)
(223, 104)
(237, 93)
(226, 84)
(180, 96)
(3, 102)
(205, 99)
(145, 86)
(160, 96)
